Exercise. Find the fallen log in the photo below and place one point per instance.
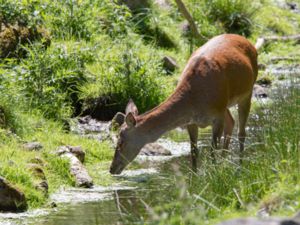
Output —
(284, 58)
(261, 41)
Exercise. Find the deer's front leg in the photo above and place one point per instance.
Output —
(228, 128)
(193, 133)
(217, 130)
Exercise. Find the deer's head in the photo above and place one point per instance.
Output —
(129, 141)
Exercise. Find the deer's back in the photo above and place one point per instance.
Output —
(221, 73)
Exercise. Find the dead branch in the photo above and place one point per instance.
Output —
(265, 40)
(190, 19)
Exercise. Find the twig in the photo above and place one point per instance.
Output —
(207, 202)
(238, 197)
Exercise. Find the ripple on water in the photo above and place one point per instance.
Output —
(80, 195)
(9, 218)
(138, 172)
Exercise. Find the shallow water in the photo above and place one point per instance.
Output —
(122, 205)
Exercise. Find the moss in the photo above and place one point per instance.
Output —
(8, 41)
(12, 37)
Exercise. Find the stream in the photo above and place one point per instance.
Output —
(136, 193)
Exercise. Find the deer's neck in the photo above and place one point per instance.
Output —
(172, 113)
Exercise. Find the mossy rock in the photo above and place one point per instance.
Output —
(12, 199)
(11, 37)
(8, 42)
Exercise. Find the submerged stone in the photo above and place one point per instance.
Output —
(154, 149)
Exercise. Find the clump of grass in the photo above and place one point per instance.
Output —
(72, 19)
(114, 19)
(127, 71)
(235, 15)
(49, 80)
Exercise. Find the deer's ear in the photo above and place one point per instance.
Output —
(131, 108)
(130, 120)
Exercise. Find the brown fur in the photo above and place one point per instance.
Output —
(218, 75)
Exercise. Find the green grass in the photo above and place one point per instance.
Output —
(99, 49)
(268, 178)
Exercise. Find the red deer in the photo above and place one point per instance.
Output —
(218, 75)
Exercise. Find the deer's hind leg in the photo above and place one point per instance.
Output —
(193, 133)
(243, 110)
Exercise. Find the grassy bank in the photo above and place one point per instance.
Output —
(101, 54)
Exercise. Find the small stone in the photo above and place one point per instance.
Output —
(84, 119)
(33, 146)
(118, 119)
(261, 66)
(75, 150)
(264, 81)
(169, 64)
(82, 178)
(62, 150)
(12, 199)
(259, 91)
(78, 152)
(135, 5)
(292, 5)
(75, 154)
(154, 149)
(53, 205)
(37, 160)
